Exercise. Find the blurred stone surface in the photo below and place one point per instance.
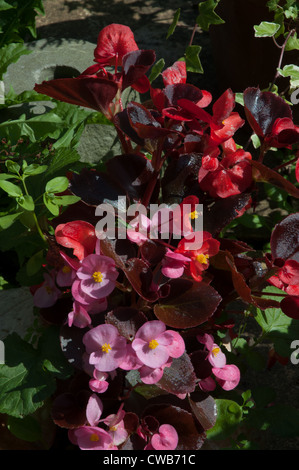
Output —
(16, 311)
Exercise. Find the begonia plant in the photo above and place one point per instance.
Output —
(145, 308)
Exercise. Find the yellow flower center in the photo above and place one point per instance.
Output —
(106, 348)
(202, 258)
(153, 344)
(94, 437)
(49, 289)
(194, 215)
(66, 269)
(97, 276)
(113, 428)
(215, 351)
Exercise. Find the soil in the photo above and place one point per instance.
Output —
(150, 20)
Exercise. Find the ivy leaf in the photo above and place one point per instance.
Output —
(174, 23)
(193, 63)
(266, 29)
(207, 15)
(291, 71)
(156, 70)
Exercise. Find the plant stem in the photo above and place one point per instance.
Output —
(291, 33)
(34, 214)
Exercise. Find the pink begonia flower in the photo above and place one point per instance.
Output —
(215, 357)
(152, 343)
(149, 375)
(116, 427)
(105, 346)
(90, 304)
(48, 293)
(94, 410)
(228, 376)
(173, 264)
(65, 276)
(97, 276)
(138, 229)
(91, 438)
(99, 383)
(166, 439)
(78, 316)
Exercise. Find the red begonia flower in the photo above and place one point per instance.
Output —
(79, 235)
(232, 176)
(223, 122)
(114, 42)
(200, 257)
(177, 73)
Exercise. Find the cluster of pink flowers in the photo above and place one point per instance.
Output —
(226, 375)
(113, 434)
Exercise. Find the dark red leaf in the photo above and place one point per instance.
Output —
(94, 93)
(179, 378)
(262, 108)
(69, 410)
(135, 66)
(204, 408)
(192, 307)
(262, 173)
(290, 306)
(127, 320)
(285, 238)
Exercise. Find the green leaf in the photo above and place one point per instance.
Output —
(11, 189)
(174, 23)
(29, 374)
(278, 328)
(34, 263)
(292, 43)
(266, 29)
(63, 158)
(34, 169)
(27, 428)
(12, 167)
(50, 349)
(57, 184)
(65, 200)
(53, 208)
(5, 6)
(26, 202)
(24, 385)
(229, 415)
(9, 54)
(7, 220)
(156, 70)
(193, 63)
(291, 71)
(207, 15)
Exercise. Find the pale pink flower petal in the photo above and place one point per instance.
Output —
(94, 410)
(166, 439)
(228, 376)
